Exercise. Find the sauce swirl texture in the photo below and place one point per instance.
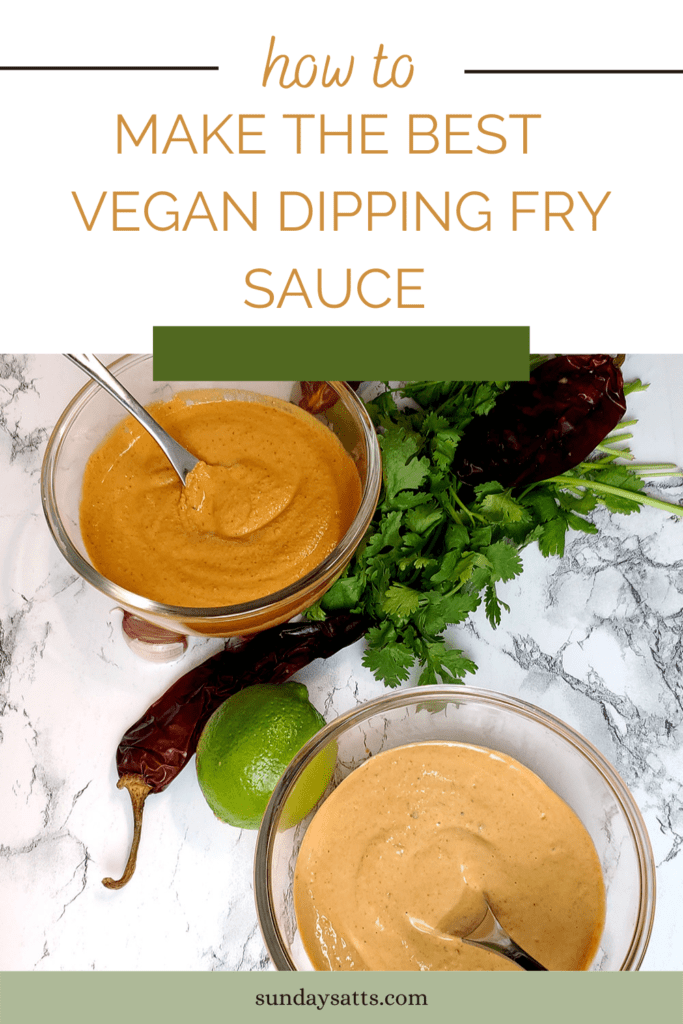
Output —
(393, 866)
(274, 493)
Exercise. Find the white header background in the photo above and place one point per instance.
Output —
(616, 288)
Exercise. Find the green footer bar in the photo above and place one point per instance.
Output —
(341, 353)
(179, 998)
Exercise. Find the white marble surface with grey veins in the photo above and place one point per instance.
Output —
(594, 638)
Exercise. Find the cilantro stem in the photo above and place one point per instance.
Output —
(473, 515)
(574, 483)
(613, 439)
(439, 409)
(659, 467)
(451, 511)
(624, 453)
(647, 471)
(640, 469)
(621, 424)
(607, 459)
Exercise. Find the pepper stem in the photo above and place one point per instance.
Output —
(138, 789)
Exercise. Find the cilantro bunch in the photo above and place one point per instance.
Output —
(436, 549)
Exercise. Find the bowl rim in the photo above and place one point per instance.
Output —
(452, 692)
(329, 565)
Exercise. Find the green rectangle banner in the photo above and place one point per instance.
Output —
(178, 997)
(341, 353)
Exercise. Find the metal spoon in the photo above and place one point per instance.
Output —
(182, 461)
(490, 934)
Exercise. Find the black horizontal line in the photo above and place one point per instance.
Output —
(573, 71)
(155, 67)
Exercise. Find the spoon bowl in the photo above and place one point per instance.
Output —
(477, 925)
(490, 934)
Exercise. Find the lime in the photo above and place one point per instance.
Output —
(247, 744)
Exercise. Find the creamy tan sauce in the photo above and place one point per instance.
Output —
(272, 496)
(394, 864)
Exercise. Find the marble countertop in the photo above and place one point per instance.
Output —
(594, 638)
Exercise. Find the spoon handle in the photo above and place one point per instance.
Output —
(507, 947)
(524, 960)
(181, 460)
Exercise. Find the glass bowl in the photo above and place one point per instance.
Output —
(563, 759)
(92, 414)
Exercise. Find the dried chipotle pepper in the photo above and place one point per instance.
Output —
(317, 396)
(159, 745)
(544, 426)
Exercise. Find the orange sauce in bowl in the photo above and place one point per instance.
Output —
(274, 494)
(394, 865)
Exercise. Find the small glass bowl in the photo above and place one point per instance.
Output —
(563, 759)
(92, 414)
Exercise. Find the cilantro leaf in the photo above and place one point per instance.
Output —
(502, 508)
(392, 663)
(505, 562)
(440, 610)
(443, 663)
(344, 594)
(400, 602)
(551, 537)
(401, 470)
(424, 518)
(493, 605)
